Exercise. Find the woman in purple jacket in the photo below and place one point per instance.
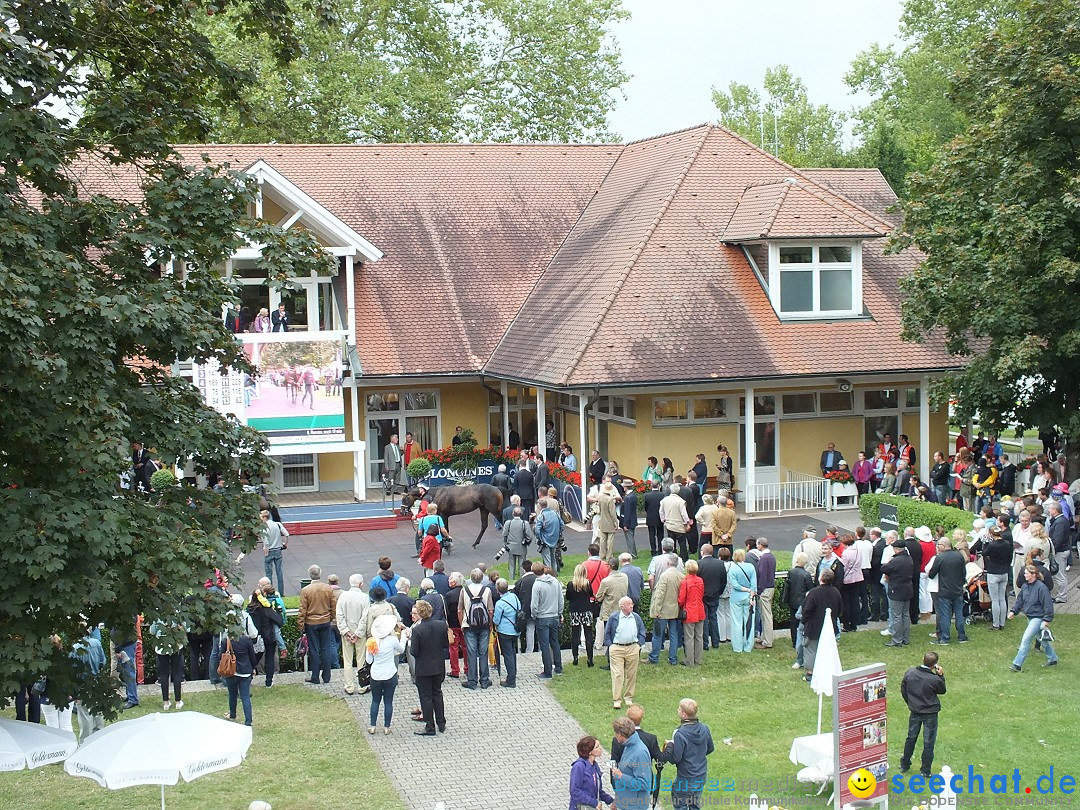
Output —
(586, 786)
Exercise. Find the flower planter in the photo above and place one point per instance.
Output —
(843, 496)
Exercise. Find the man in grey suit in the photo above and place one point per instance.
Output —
(392, 460)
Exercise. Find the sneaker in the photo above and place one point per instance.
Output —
(1014, 668)
(965, 640)
(165, 706)
(179, 705)
(937, 643)
(543, 677)
(1050, 664)
(886, 632)
(932, 635)
(796, 665)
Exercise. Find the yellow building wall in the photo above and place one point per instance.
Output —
(682, 444)
(464, 404)
(335, 466)
(624, 443)
(802, 441)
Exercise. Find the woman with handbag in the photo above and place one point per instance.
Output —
(383, 649)
(743, 578)
(586, 786)
(239, 683)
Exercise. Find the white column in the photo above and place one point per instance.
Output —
(541, 421)
(583, 452)
(926, 449)
(359, 471)
(751, 452)
(505, 411)
(350, 300)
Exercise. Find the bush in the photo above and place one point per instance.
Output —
(162, 479)
(910, 512)
(419, 468)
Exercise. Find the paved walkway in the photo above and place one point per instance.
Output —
(474, 770)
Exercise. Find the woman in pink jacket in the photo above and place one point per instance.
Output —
(853, 580)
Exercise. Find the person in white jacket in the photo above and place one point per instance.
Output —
(351, 607)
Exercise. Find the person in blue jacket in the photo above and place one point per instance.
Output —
(632, 774)
(586, 786)
(690, 745)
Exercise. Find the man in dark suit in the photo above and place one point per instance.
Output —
(653, 520)
(524, 588)
(830, 459)
(525, 488)
(280, 319)
(597, 468)
(636, 715)
(914, 550)
(542, 476)
(689, 492)
(429, 643)
(141, 467)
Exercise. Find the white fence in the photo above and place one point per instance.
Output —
(797, 493)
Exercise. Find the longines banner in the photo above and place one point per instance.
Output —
(442, 476)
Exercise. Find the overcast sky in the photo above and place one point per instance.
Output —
(676, 51)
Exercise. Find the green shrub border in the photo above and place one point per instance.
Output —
(910, 512)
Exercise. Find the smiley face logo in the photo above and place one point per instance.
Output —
(862, 784)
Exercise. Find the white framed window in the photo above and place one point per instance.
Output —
(816, 279)
(616, 409)
(691, 410)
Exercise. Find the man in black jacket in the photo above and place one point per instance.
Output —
(879, 608)
(825, 595)
(950, 569)
(653, 520)
(915, 551)
(429, 642)
(597, 469)
(899, 574)
(940, 478)
(798, 586)
(1057, 528)
(523, 588)
(713, 574)
(920, 689)
(501, 481)
(525, 488)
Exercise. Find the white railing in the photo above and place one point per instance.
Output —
(797, 494)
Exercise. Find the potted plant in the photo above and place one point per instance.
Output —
(418, 469)
(842, 490)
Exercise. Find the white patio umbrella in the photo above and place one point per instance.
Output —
(157, 749)
(826, 664)
(29, 745)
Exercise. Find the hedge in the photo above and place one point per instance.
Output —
(910, 512)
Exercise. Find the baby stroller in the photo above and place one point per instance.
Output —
(976, 599)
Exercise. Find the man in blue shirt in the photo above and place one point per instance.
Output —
(90, 652)
(624, 636)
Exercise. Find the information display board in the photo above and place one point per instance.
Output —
(861, 734)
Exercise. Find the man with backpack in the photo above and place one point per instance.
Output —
(474, 612)
(509, 621)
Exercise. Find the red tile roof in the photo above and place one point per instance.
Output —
(796, 209)
(590, 265)
(655, 295)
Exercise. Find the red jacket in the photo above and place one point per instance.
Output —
(430, 550)
(928, 552)
(692, 597)
(596, 570)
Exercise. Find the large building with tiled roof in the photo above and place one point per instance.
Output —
(667, 296)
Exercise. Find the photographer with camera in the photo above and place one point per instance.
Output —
(517, 535)
(920, 689)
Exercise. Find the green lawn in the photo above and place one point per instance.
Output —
(307, 752)
(991, 718)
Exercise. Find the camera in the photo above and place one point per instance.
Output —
(499, 554)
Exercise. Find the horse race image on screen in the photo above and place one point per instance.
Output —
(296, 397)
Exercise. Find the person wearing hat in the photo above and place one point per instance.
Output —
(383, 649)
(607, 518)
(899, 577)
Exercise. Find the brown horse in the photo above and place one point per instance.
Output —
(453, 500)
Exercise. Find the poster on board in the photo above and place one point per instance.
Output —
(861, 737)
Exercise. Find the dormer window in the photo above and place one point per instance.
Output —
(816, 279)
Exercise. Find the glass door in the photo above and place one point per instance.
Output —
(379, 432)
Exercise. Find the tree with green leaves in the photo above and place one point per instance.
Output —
(102, 294)
(426, 71)
(782, 120)
(912, 115)
(998, 216)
